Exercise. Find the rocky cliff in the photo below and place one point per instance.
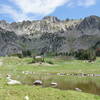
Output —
(49, 35)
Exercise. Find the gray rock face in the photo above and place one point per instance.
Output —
(8, 43)
(49, 35)
(90, 22)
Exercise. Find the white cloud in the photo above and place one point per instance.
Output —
(17, 16)
(38, 7)
(43, 7)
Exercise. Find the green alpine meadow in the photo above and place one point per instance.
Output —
(75, 79)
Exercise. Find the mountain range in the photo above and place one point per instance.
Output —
(49, 35)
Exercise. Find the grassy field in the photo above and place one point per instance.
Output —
(16, 67)
(14, 64)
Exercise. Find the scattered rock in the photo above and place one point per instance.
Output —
(38, 57)
(38, 82)
(92, 75)
(77, 89)
(61, 74)
(54, 84)
(26, 72)
(13, 82)
(26, 98)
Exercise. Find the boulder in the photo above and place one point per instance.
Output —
(13, 82)
(26, 98)
(38, 59)
(38, 82)
(61, 74)
(54, 84)
(77, 89)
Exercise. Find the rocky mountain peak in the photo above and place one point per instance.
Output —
(3, 23)
(52, 19)
(90, 22)
(92, 19)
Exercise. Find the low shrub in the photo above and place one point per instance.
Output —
(16, 55)
(49, 62)
(85, 54)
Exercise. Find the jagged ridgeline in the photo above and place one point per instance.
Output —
(50, 35)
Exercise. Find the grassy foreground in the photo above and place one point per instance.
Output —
(15, 66)
(38, 93)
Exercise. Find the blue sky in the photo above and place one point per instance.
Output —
(19, 10)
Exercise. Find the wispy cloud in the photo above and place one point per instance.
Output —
(14, 14)
(38, 7)
(83, 3)
(86, 3)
